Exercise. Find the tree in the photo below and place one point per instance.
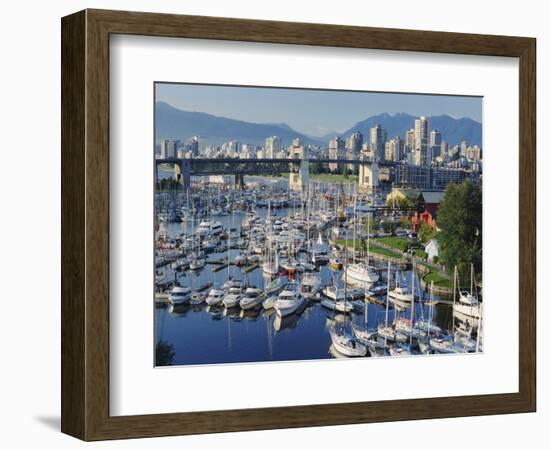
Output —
(426, 232)
(164, 353)
(402, 203)
(460, 220)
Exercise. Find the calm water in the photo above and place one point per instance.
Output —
(208, 335)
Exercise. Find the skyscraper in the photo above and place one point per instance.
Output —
(168, 148)
(420, 141)
(395, 149)
(378, 138)
(435, 144)
(353, 147)
(272, 147)
(335, 151)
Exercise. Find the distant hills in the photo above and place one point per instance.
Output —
(452, 130)
(173, 123)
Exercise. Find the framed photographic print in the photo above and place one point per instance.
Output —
(270, 224)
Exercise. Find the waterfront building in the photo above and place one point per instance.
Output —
(427, 203)
(400, 194)
(428, 177)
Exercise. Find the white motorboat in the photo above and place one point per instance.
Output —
(337, 305)
(361, 273)
(442, 345)
(197, 264)
(252, 298)
(215, 297)
(269, 302)
(232, 300)
(198, 297)
(401, 294)
(399, 349)
(180, 295)
(240, 259)
(290, 300)
(347, 345)
(311, 283)
(233, 286)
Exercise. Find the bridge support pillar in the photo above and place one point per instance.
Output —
(185, 168)
(239, 181)
(299, 181)
(368, 176)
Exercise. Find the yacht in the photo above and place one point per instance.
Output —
(310, 286)
(215, 297)
(232, 300)
(252, 298)
(401, 294)
(197, 264)
(361, 273)
(180, 295)
(289, 300)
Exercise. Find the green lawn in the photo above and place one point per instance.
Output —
(399, 243)
(333, 178)
(372, 247)
(437, 278)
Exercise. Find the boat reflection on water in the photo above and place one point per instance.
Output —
(285, 322)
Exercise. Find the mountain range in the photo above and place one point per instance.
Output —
(173, 123)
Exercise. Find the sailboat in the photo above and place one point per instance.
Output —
(343, 341)
(271, 263)
(361, 272)
(467, 304)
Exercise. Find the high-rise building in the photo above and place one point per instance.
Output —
(202, 144)
(420, 141)
(296, 142)
(353, 147)
(435, 145)
(394, 150)
(335, 151)
(463, 148)
(272, 146)
(378, 138)
(168, 148)
(444, 148)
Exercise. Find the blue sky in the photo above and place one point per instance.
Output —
(313, 112)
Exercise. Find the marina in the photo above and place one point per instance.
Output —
(258, 272)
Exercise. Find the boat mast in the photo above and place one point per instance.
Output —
(412, 302)
(354, 219)
(387, 305)
(454, 298)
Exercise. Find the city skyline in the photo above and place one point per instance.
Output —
(310, 111)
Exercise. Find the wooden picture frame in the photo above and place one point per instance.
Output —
(85, 224)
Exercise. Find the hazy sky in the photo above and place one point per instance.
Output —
(313, 112)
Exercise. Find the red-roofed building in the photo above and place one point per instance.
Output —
(428, 204)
